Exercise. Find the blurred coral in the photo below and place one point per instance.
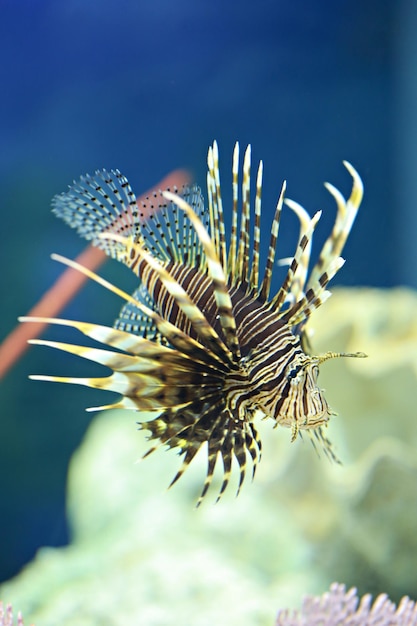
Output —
(339, 607)
(6, 616)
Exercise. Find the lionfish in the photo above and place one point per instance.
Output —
(202, 341)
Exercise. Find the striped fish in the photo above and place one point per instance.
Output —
(202, 341)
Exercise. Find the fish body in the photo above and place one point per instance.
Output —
(202, 341)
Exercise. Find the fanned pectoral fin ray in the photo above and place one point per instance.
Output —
(227, 458)
(102, 202)
(229, 441)
(205, 422)
(146, 383)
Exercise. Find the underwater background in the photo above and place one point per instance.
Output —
(145, 87)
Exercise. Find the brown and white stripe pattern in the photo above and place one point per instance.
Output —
(201, 341)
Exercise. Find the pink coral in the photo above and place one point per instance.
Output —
(339, 607)
(6, 616)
